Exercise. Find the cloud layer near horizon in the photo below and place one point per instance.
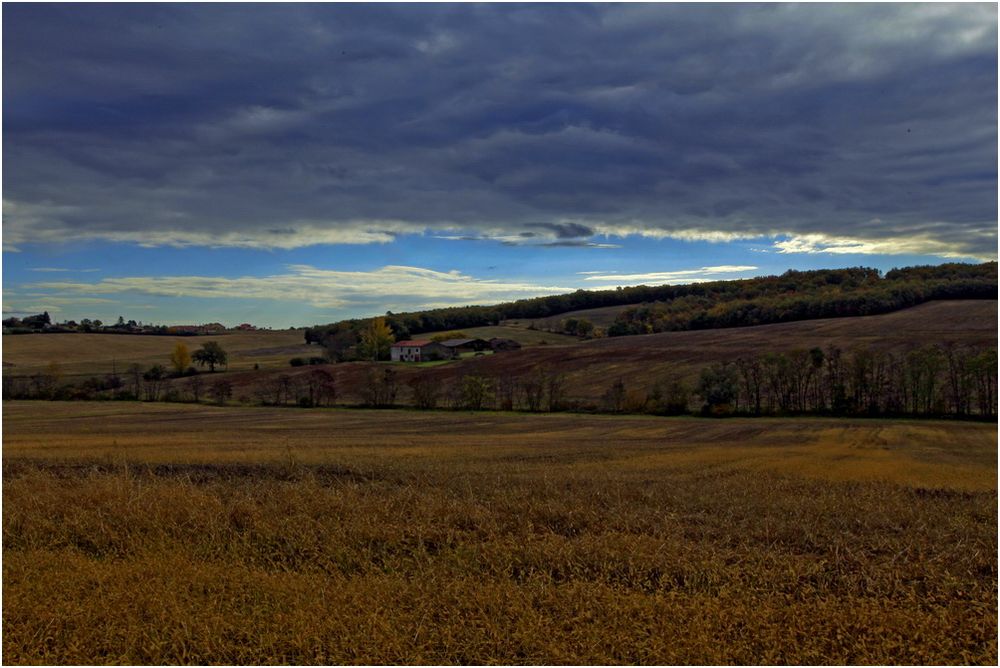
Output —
(399, 287)
(870, 128)
(324, 288)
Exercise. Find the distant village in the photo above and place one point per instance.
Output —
(42, 324)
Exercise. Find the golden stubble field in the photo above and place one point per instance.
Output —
(155, 533)
(89, 354)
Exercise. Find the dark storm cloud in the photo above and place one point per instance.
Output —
(285, 125)
(565, 230)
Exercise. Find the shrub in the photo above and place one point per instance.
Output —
(445, 336)
(614, 398)
(477, 392)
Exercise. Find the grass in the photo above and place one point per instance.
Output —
(188, 534)
(603, 316)
(515, 331)
(424, 365)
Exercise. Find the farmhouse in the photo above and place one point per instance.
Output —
(418, 351)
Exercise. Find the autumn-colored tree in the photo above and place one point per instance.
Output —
(180, 359)
(376, 340)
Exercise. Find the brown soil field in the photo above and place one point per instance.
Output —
(166, 533)
(590, 367)
(87, 354)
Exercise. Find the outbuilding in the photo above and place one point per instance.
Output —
(459, 346)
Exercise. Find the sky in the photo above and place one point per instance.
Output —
(287, 165)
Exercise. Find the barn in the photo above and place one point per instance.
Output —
(459, 346)
(418, 351)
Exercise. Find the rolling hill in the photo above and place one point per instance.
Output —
(641, 361)
(589, 368)
(642, 309)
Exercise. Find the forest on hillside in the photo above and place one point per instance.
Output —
(794, 295)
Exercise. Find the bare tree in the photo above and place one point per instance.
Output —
(135, 378)
(426, 391)
(154, 381)
(555, 390)
(221, 391)
(276, 390)
(195, 386)
(506, 392)
(533, 391)
(751, 380)
(319, 387)
(380, 388)
(614, 398)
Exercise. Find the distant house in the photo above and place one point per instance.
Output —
(418, 351)
(459, 346)
(184, 330)
(246, 327)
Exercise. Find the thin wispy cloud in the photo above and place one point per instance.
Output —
(322, 288)
(915, 245)
(24, 305)
(670, 277)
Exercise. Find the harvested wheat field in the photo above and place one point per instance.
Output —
(157, 533)
(88, 354)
